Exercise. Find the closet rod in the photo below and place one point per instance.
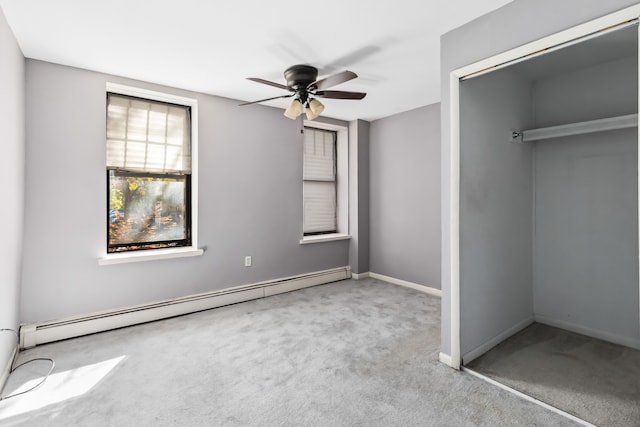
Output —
(600, 125)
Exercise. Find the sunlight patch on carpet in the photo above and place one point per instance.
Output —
(57, 388)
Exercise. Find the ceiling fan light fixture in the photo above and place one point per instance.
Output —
(303, 85)
(314, 108)
(310, 115)
(293, 110)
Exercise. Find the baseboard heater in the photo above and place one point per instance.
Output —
(35, 334)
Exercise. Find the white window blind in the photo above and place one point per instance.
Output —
(147, 136)
(319, 185)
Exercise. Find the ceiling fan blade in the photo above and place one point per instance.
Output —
(333, 80)
(267, 82)
(267, 99)
(339, 94)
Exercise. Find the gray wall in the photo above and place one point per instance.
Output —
(496, 207)
(250, 201)
(405, 193)
(12, 101)
(515, 24)
(359, 196)
(586, 253)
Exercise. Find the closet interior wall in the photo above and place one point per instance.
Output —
(549, 229)
(496, 208)
(586, 205)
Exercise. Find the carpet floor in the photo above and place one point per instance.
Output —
(594, 380)
(350, 353)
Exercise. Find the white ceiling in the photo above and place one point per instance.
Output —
(212, 46)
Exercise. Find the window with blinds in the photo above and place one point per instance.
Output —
(147, 136)
(319, 182)
(148, 174)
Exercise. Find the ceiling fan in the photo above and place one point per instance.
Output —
(304, 87)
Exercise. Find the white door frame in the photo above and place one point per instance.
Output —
(493, 63)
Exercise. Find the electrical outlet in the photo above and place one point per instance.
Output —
(247, 261)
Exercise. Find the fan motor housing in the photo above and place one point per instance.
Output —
(300, 76)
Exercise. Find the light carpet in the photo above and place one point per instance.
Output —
(350, 353)
(592, 379)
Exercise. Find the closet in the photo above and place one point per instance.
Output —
(549, 196)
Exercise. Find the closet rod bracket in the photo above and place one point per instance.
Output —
(516, 137)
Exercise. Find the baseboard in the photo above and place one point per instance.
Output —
(446, 359)
(399, 282)
(6, 368)
(479, 351)
(359, 276)
(601, 335)
(44, 332)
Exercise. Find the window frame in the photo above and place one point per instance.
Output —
(334, 182)
(342, 184)
(107, 258)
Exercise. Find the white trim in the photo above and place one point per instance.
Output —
(400, 282)
(6, 370)
(193, 250)
(583, 330)
(195, 131)
(549, 49)
(360, 276)
(305, 281)
(150, 94)
(454, 226)
(319, 238)
(44, 332)
(639, 181)
(446, 359)
(150, 255)
(488, 345)
(528, 398)
(599, 24)
(27, 336)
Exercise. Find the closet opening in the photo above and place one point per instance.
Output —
(549, 290)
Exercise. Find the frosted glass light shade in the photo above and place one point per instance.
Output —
(293, 110)
(314, 108)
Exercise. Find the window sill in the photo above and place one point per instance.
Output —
(324, 238)
(149, 255)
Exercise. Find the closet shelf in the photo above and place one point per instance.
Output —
(600, 125)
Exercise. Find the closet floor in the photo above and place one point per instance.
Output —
(594, 380)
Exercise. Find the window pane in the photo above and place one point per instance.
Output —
(115, 152)
(319, 155)
(319, 207)
(155, 157)
(137, 124)
(319, 181)
(117, 118)
(140, 133)
(157, 123)
(135, 155)
(147, 210)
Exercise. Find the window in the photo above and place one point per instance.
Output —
(326, 180)
(319, 182)
(149, 169)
